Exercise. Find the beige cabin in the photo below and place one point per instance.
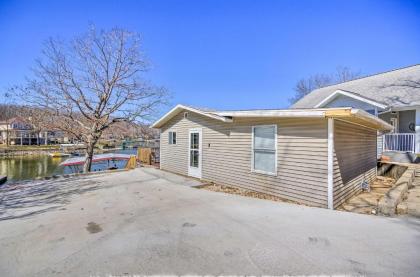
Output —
(318, 157)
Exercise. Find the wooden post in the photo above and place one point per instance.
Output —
(145, 155)
(131, 163)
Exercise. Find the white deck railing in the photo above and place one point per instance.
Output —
(401, 142)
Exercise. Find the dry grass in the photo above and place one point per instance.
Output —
(367, 202)
(382, 182)
(244, 192)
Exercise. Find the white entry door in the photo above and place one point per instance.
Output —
(194, 153)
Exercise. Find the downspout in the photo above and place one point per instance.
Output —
(330, 177)
(417, 129)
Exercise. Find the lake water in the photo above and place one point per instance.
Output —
(33, 166)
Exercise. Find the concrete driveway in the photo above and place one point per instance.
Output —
(149, 222)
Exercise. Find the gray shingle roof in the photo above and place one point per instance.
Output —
(394, 88)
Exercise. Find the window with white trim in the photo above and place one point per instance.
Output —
(264, 154)
(172, 137)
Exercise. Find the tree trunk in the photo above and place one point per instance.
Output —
(89, 156)
(7, 133)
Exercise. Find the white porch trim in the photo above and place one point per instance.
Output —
(351, 95)
(399, 142)
(330, 163)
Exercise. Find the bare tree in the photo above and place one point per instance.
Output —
(306, 85)
(91, 83)
(7, 111)
(344, 74)
(148, 133)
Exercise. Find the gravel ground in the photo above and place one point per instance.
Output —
(244, 192)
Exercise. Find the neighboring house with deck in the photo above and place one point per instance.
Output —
(19, 131)
(393, 96)
(318, 157)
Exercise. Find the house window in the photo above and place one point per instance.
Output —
(264, 154)
(172, 137)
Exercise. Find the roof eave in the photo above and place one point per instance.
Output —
(346, 113)
(165, 118)
(363, 118)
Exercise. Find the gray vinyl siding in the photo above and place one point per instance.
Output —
(345, 101)
(379, 146)
(405, 118)
(302, 156)
(227, 153)
(354, 159)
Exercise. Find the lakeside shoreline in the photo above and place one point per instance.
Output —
(18, 151)
(20, 165)
(25, 152)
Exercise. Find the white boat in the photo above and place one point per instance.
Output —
(58, 154)
(97, 158)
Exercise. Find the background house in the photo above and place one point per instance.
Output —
(393, 96)
(17, 131)
(20, 131)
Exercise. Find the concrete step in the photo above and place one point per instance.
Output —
(402, 208)
(413, 201)
(402, 157)
(416, 181)
(363, 209)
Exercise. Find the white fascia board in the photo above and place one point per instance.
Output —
(351, 95)
(180, 107)
(275, 113)
(404, 108)
(371, 118)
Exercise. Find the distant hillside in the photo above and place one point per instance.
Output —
(120, 130)
(9, 111)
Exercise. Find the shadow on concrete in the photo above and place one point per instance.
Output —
(32, 198)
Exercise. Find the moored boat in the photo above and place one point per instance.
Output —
(58, 154)
(3, 179)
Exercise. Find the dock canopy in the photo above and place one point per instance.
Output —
(96, 158)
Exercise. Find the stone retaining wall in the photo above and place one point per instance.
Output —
(388, 204)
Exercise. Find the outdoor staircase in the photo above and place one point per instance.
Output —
(401, 157)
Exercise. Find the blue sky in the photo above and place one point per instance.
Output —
(226, 54)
